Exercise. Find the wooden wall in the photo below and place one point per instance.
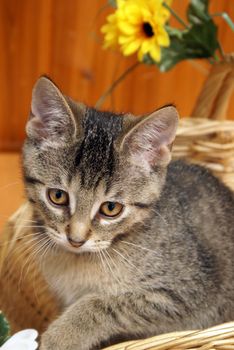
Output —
(62, 39)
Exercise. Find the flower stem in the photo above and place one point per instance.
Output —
(225, 16)
(177, 17)
(221, 50)
(114, 84)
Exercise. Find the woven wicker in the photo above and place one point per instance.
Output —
(24, 295)
(216, 338)
(213, 100)
(209, 143)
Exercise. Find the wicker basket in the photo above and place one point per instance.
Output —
(208, 137)
(216, 338)
(24, 296)
(209, 143)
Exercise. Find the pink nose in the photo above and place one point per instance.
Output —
(74, 243)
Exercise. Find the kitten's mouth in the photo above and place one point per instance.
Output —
(89, 246)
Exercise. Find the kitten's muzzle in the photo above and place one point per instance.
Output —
(75, 243)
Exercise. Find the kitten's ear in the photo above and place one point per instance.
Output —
(149, 142)
(51, 118)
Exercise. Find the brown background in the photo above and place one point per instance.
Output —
(62, 39)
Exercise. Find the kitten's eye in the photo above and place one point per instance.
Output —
(110, 209)
(58, 197)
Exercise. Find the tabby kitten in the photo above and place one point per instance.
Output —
(136, 245)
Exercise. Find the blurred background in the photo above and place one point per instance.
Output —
(62, 39)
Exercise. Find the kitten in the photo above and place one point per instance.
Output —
(136, 245)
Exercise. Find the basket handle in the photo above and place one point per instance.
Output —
(214, 98)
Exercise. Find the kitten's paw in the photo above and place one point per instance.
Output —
(48, 342)
(57, 338)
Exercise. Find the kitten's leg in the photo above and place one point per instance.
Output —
(94, 320)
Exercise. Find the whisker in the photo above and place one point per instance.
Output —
(34, 277)
(163, 219)
(10, 184)
(20, 246)
(111, 270)
(6, 217)
(100, 255)
(29, 226)
(51, 245)
(129, 263)
(138, 246)
(42, 244)
(115, 266)
(104, 259)
(28, 260)
(30, 256)
(19, 238)
(44, 250)
(125, 259)
(20, 249)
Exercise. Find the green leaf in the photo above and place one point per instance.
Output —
(202, 38)
(171, 55)
(227, 18)
(4, 329)
(197, 12)
(148, 60)
(200, 41)
(174, 32)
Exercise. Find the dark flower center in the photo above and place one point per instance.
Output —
(147, 29)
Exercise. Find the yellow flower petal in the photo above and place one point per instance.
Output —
(163, 37)
(110, 36)
(110, 31)
(140, 54)
(126, 28)
(146, 45)
(133, 14)
(111, 19)
(106, 28)
(120, 3)
(155, 53)
(138, 26)
(122, 40)
(130, 48)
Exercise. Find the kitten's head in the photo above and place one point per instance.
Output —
(91, 175)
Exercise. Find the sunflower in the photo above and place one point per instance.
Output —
(110, 29)
(138, 26)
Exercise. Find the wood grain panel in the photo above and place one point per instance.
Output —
(62, 39)
(11, 186)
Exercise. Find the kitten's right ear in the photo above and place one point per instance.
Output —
(149, 142)
(51, 118)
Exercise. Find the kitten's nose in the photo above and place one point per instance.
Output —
(74, 243)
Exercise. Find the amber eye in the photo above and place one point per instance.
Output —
(110, 209)
(58, 197)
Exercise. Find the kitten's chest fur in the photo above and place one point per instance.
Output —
(72, 276)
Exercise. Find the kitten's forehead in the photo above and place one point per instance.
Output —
(89, 159)
(95, 157)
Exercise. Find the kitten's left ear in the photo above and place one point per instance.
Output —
(149, 142)
(51, 119)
